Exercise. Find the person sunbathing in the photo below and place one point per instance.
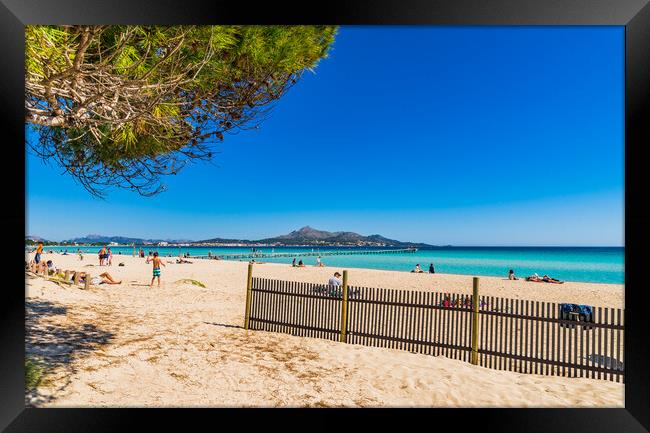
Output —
(182, 261)
(548, 279)
(545, 279)
(103, 278)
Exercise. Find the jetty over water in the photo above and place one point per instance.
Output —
(260, 255)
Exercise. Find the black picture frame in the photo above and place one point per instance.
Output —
(633, 14)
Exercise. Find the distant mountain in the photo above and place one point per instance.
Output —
(100, 239)
(34, 240)
(308, 236)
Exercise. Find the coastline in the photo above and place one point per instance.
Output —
(604, 265)
(183, 345)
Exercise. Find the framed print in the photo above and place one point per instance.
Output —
(421, 210)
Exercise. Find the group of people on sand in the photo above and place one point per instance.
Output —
(42, 266)
(106, 278)
(535, 278)
(300, 264)
(511, 275)
(49, 268)
(105, 257)
(418, 269)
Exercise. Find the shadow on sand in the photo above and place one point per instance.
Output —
(56, 345)
(224, 325)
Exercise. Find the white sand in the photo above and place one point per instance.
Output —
(182, 345)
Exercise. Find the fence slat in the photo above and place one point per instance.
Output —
(539, 337)
(387, 317)
(390, 317)
(278, 306)
(618, 342)
(501, 329)
(363, 328)
(600, 351)
(262, 303)
(439, 334)
(303, 315)
(421, 323)
(547, 313)
(410, 311)
(510, 322)
(414, 322)
(592, 356)
(574, 344)
(428, 323)
(613, 361)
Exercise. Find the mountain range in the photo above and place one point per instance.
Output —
(94, 239)
(306, 236)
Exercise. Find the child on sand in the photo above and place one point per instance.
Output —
(156, 267)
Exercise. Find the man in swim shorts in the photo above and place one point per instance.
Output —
(156, 268)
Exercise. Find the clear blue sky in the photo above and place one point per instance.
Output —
(444, 135)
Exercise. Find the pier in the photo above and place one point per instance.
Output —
(259, 255)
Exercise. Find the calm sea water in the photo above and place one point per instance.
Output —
(588, 264)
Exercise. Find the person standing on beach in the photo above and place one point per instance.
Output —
(156, 268)
(39, 251)
(431, 269)
(293, 264)
(109, 254)
(102, 252)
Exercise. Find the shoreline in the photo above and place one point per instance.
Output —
(567, 264)
(596, 294)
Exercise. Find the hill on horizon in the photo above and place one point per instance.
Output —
(310, 236)
(307, 236)
(94, 238)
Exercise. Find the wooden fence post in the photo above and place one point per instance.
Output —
(76, 278)
(87, 281)
(66, 277)
(249, 297)
(344, 309)
(475, 306)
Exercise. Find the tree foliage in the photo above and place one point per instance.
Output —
(123, 105)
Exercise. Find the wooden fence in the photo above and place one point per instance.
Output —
(499, 333)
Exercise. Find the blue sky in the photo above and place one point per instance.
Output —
(444, 135)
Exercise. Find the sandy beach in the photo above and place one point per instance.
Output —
(129, 345)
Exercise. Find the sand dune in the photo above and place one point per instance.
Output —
(183, 345)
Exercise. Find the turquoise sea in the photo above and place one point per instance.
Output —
(588, 264)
